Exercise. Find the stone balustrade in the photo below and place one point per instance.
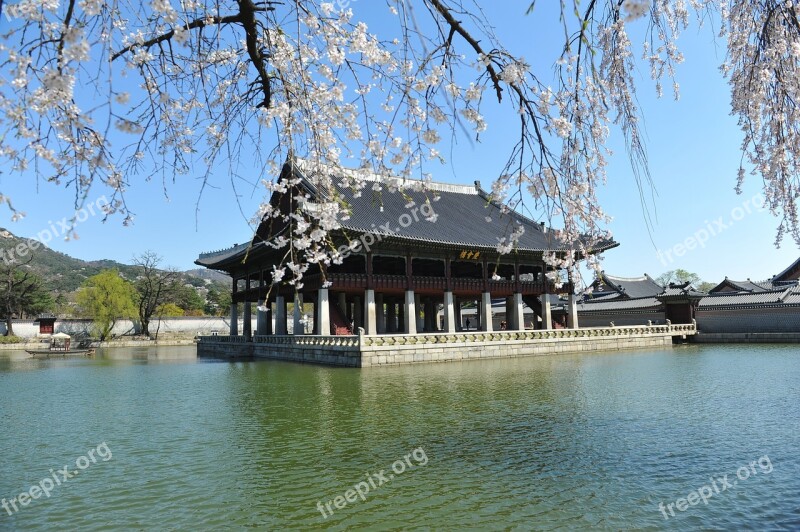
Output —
(375, 350)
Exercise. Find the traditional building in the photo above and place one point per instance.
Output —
(405, 253)
(622, 301)
(728, 311)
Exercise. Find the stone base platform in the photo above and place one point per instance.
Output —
(369, 351)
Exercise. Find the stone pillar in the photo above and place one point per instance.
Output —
(261, 318)
(298, 327)
(517, 320)
(486, 312)
(280, 315)
(234, 320)
(410, 313)
(509, 311)
(370, 313)
(358, 320)
(572, 313)
(547, 316)
(459, 319)
(247, 326)
(380, 314)
(450, 313)
(323, 312)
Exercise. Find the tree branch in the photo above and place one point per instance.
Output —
(196, 23)
(458, 28)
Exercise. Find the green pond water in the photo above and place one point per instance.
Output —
(163, 441)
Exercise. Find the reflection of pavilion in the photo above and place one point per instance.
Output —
(411, 254)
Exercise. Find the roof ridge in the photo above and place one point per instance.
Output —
(369, 175)
(618, 278)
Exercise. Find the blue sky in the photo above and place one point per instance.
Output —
(693, 148)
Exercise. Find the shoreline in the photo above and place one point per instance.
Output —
(105, 345)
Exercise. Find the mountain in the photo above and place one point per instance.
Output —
(62, 273)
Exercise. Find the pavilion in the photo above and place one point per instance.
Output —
(406, 253)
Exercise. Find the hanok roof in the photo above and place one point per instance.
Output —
(214, 257)
(729, 285)
(791, 273)
(680, 292)
(627, 304)
(629, 287)
(786, 296)
(466, 215)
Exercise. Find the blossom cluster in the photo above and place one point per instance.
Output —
(95, 92)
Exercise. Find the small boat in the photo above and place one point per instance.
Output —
(60, 347)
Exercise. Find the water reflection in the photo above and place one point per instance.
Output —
(572, 441)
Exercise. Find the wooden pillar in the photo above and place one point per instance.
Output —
(370, 283)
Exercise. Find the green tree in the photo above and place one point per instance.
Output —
(107, 298)
(705, 286)
(187, 298)
(218, 302)
(678, 276)
(169, 310)
(21, 293)
(154, 287)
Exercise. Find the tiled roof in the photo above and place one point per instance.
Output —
(681, 291)
(620, 304)
(743, 286)
(632, 287)
(722, 299)
(465, 215)
(601, 296)
(790, 273)
(213, 257)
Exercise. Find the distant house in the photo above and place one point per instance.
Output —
(46, 323)
(769, 306)
(621, 300)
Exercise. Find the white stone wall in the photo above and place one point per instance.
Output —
(188, 325)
